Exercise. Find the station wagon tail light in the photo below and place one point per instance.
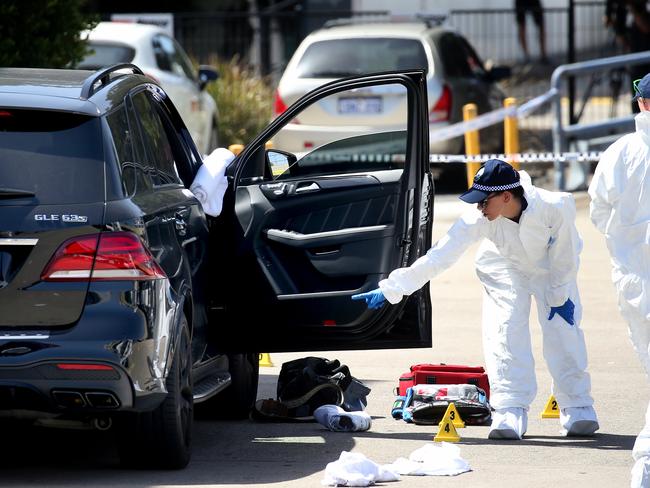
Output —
(441, 111)
(104, 257)
(278, 104)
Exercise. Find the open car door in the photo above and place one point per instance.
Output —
(321, 206)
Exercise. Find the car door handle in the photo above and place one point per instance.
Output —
(306, 188)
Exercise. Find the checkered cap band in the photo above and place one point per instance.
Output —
(510, 186)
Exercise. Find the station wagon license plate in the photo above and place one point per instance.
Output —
(360, 105)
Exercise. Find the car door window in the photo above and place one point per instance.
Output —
(471, 58)
(171, 57)
(348, 132)
(158, 150)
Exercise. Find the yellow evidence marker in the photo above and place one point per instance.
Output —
(446, 430)
(265, 359)
(551, 410)
(453, 414)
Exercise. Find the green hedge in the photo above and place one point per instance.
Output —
(244, 99)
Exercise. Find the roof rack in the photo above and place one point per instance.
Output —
(430, 20)
(103, 77)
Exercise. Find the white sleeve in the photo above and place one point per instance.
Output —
(404, 281)
(564, 248)
(603, 189)
(210, 183)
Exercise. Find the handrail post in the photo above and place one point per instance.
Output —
(472, 145)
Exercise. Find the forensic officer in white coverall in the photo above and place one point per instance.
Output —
(530, 248)
(620, 209)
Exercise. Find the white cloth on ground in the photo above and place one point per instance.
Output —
(335, 418)
(355, 469)
(435, 459)
(210, 183)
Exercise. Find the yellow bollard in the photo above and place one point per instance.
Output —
(472, 147)
(236, 148)
(511, 134)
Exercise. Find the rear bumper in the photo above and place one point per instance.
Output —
(125, 332)
(45, 387)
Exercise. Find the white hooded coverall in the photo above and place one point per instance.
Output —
(620, 209)
(536, 257)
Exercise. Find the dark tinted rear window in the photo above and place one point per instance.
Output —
(57, 156)
(346, 57)
(106, 55)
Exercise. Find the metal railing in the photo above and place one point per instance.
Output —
(565, 134)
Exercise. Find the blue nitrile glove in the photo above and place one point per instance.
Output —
(374, 299)
(565, 311)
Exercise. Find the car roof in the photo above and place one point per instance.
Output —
(128, 32)
(60, 89)
(413, 30)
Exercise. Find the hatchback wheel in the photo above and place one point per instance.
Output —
(162, 438)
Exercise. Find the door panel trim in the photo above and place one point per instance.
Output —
(350, 234)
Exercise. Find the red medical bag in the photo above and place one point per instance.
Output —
(444, 374)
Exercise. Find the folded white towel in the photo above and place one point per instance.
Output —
(210, 183)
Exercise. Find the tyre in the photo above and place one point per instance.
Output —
(236, 401)
(162, 438)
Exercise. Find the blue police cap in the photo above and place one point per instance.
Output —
(494, 175)
(642, 87)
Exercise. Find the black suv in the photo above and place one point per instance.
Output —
(122, 305)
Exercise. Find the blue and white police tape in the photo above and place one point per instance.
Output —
(490, 118)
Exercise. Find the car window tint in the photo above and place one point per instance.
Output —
(126, 137)
(452, 54)
(158, 150)
(345, 57)
(358, 131)
(57, 156)
(172, 57)
(106, 54)
(471, 58)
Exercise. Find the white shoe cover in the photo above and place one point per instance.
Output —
(509, 423)
(578, 421)
(641, 473)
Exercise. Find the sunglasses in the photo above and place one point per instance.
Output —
(483, 203)
(635, 84)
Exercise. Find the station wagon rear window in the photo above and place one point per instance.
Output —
(347, 57)
(56, 156)
(106, 54)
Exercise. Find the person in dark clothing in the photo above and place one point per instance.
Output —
(630, 20)
(534, 7)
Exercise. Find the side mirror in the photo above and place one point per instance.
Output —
(499, 73)
(206, 75)
(280, 161)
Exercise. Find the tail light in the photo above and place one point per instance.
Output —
(442, 109)
(278, 104)
(102, 257)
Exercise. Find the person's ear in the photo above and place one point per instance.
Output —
(507, 196)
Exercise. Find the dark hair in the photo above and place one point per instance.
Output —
(517, 192)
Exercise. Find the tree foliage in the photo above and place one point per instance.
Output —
(244, 99)
(43, 33)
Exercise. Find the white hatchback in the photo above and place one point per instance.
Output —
(164, 60)
(455, 76)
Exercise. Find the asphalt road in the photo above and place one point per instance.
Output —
(246, 453)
